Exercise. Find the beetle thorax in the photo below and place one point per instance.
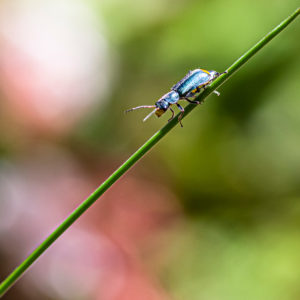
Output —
(172, 97)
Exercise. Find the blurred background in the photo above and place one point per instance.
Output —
(213, 212)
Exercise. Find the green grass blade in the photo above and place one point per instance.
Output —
(17, 273)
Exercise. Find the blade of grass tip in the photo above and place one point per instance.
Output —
(19, 271)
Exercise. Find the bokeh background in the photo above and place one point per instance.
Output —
(213, 212)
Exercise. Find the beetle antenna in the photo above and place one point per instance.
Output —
(148, 116)
(138, 107)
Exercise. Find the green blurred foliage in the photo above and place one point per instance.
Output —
(236, 163)
(242, 145)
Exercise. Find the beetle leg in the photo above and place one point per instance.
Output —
(217, 93)
(193, 93)
(172, 114)
(225, 72)
(181, 115)
(189, 95)
(192, 101)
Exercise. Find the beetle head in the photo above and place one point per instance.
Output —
(165, 101)
(162, 106)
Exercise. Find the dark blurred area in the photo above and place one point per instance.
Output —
(213, 212)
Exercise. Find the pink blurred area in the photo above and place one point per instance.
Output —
(54, 63)
(55, 68)
(108, 253)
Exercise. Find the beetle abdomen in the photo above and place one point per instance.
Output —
(191, 81)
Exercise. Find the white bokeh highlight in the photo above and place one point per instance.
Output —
(54, 63)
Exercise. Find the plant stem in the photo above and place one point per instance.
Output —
(17, 273)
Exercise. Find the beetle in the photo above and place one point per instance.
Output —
(188, 87)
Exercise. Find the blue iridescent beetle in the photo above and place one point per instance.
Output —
(188, 87)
